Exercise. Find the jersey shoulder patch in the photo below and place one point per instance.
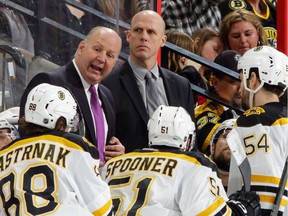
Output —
(254, 111)
(265, 115)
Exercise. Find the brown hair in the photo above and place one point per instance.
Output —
(29, 129)
(182, 40)
(200, 37)
(237, 16)
(275, 89)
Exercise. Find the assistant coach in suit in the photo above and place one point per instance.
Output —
(94, 59)
(127, 83)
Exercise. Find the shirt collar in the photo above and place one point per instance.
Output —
(141, 72)
(85, 84)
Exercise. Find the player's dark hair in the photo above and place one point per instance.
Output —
(30, 129)
(275, 89)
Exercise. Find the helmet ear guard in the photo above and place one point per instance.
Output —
(172, 127)
(46, 103)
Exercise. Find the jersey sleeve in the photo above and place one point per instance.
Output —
(208, 196)
(94, 191)
(262, 133)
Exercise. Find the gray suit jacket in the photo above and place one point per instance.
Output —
(131, 114)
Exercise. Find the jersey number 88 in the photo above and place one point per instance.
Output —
(37, 191)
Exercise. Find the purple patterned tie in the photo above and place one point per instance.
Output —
(99, 120)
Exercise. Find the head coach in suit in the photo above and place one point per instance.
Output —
(94, 59)
(128, 85)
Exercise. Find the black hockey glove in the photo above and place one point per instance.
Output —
(245, 203)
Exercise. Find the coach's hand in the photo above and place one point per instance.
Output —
(113, 149)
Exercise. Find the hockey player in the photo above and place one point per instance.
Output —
(168, 178)
(262, 129)
(8, 132)
(210, 113)
(220, 151)
(51, 171)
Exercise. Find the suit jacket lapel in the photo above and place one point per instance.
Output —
(129, 82)
(169, 85)
(108, 110)
(74, 83)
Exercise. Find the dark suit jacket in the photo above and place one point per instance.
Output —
(131, 114)
(67, 76)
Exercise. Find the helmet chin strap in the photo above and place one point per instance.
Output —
(252, 93)
(251, 98)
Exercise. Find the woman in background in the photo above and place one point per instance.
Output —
(179, 64)
(205, 43)
(242, 30)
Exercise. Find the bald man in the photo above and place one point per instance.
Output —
(95, 57)
(128, 83)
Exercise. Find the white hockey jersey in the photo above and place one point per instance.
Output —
(155, 182)
(52, 174)
(262, 131)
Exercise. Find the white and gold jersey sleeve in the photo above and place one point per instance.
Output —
(165, 183)
(51, 175)
(262, 132)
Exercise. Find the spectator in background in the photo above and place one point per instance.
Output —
(125, 10)
(263, 9)
(50, 171)
(129, 83)
(59, 46)
(242, 30)
(262, 129)
(211, 112)
(122, 10)
(95, 57)
(175, 61)
(188, 16)
(184, 183)
(14, 29)
(220, 151)
(179, 64)
(53, 43)
(207, 44)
